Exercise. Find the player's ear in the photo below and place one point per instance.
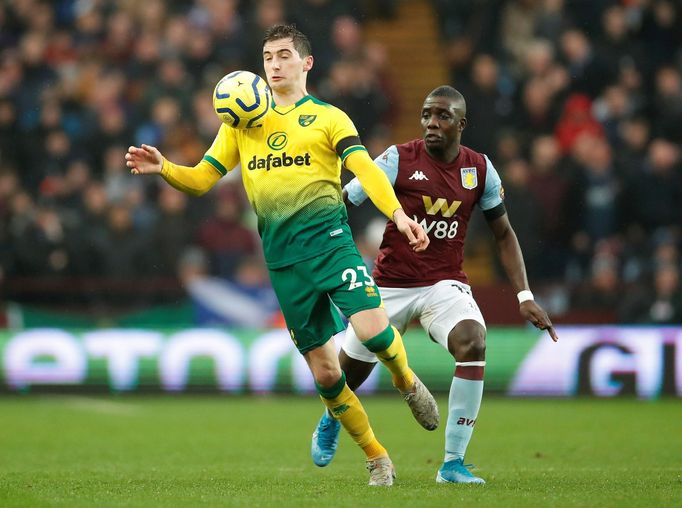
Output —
(308, 63)
(461, 124)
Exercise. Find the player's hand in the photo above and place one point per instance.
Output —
(532, 312)
(414, 233)
(145, 160)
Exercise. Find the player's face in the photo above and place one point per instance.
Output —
(284, 67)
(442, 123)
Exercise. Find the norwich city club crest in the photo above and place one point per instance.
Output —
(469, 178)
(305, 120)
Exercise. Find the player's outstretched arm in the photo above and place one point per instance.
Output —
(512, 261)
(147, 160)
(379, 190)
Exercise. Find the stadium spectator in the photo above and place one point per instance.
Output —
(654, 193)
(615, 44)
(223, 235)
(509, 147)
(668, 104)
(576, 120)
(517, 29)
(602, 291)
(316, 18)
(611, 109)
(346, 36)
(9, 135)
(353, 86)
(594, 196)
(552, 19)
(549, 185)
(489, 103)
(660, 22)
(262, 14)
(42, 247)
(539, 62)
(91, 229)
(123, 251)
(70, 188)
(631, 147)
(537, 115)
(526, 213)
(660, 302)
(172, 231)
(588, 70)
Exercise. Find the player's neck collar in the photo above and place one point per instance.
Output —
(283, 110)
(441, 161)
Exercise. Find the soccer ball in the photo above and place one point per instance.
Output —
(242, 99)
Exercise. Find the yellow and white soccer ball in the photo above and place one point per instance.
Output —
(242, 100)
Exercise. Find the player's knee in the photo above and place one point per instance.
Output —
(369, 323)
(466, 341)
(475, 347)
(327, 377)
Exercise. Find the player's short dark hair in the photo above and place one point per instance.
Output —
(450, 93)
(300, 40)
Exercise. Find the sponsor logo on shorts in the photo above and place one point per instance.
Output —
(371, 291)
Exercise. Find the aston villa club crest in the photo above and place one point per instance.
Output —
(469, 178)
(305, 120)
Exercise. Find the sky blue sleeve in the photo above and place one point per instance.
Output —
(492, 195)
(388, 162)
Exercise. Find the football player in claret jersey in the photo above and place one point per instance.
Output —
(291, 169)
(438, 181)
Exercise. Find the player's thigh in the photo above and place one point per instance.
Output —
(308, 313)
(402, 305)
(342, 274)
(445, 305)
(399, 304)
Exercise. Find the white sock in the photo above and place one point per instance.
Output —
(466, 392)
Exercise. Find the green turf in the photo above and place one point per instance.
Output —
(250, 452)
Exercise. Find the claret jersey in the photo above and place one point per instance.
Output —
(291, 168)
(441, 197)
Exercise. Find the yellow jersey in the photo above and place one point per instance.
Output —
(291, 169)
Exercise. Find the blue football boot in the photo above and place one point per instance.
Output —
(454, 471)
(325, 440)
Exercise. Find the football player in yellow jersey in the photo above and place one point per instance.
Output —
(291, 169)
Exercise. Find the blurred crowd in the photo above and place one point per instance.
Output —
(577, 102)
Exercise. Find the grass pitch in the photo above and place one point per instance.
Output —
(252, 452)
